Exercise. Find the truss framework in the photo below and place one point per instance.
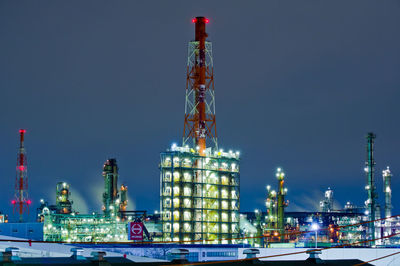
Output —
(192, 129)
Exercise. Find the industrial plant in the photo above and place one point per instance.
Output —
(61, 223)
(200, 194)
(349, 225)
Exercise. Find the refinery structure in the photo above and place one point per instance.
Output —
(62, 223)
(200, 192)
(199, 184)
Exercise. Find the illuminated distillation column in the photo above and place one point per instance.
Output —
(64, 205)
(270, 203)
(110, 195)
(370, 187)
(387, 189)
(123, 200)
(281, 202)
(327, 204)
(21, 202)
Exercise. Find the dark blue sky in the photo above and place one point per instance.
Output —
(298, 85)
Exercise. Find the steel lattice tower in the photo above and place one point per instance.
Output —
(21, 202)
(200, 101)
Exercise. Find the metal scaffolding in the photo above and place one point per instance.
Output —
(83, 228)
(199, 195)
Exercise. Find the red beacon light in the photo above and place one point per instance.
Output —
(13, 202)
(28, 202)
(206, 20)
(22, 131)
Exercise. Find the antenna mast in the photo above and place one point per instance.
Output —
(21, 202)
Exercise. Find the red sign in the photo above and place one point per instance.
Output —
(136, 231)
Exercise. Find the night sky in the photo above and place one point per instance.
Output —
(298, 85)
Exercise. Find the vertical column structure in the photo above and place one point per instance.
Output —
(64, 205)
(21, 202)
(370, 187)
(200, 122)
(123, 201)
(281, 203)
(327, 204)
(271, 204)
(387, 189)
(110, 195)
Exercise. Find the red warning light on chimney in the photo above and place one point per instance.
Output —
(206, 20)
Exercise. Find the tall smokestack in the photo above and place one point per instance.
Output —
(200, 102)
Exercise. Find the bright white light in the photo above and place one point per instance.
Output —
(314, 226)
